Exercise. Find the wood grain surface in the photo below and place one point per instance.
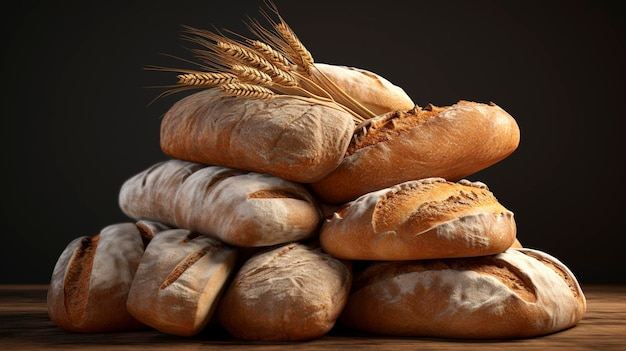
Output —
(24, 325)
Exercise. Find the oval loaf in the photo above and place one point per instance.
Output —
(450, 142)
(428, 218)
(519, 293)
(287, 293)
(91, 280)
(374, 92)
(179, 281)
(239, 208)
(295, 138)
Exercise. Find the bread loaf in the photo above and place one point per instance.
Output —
(239, 208)
(374, 92)
(295, 138)
(91, 280)
(516, 294)
(286, 293)
(450, 142)
(428, 218)
(179, 281)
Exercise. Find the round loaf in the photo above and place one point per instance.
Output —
(295, 138)
(287, 293)
(91, 280)
(374, 92)
(237, 207)
(516, 294)
(450, 142)
(421, 219)
(179, 281)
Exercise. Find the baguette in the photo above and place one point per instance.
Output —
(520, 293)
(179, 281)
(422, 219)
(91, 280)
(245, 209)
(291, 292)
(369, 89)
(296, 138)
(450, 142)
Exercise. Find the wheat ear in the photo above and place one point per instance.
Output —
(247, 90)
(300, 53)
(206, 79)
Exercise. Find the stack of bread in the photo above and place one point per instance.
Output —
(297, 196)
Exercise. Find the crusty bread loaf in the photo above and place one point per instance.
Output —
(450, 142)
(179, 281)
(374, 92)
(239, 208)
(295, 138)
(428, 218)
(91, 280)
(516, 294)
(289, 292)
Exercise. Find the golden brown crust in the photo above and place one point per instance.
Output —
(450, 142)
(390, 125)
(509, 295)
(429, 218)
(295, 138)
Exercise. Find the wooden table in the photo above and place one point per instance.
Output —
(24, 325)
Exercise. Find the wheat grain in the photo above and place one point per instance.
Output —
(272, 55)
(251, 75)
(247, 90)
(245, 55)
(303, 57)
(202, 79)
(284, 78)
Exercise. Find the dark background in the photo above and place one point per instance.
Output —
(76, 118)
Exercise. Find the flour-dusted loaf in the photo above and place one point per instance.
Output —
(179, 281)
(286, 293)
(295, 138)
(374, 92)
(450, 142)
(516, 294)
(91, 280)
(239, 208)
(421, 219)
